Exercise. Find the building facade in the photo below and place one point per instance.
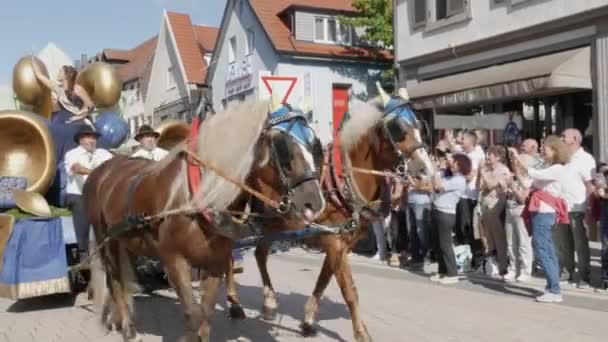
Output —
(162, 77)
(298, 49)
(541, 61)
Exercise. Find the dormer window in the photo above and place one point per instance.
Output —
(329, 30)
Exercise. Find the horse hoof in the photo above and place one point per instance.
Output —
(308, 330)
(363, 338)
(363, 335)
(237, 312)
(134, 338)
(269, 314)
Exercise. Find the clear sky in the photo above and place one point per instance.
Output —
(88, 26)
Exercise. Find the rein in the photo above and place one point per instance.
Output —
(266, 200)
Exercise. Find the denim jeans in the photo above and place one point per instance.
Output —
(418, 221)
(544, 250)
(604, 238)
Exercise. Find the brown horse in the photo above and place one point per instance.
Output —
(260, 154)
(371, 139)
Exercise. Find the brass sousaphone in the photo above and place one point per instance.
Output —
(29, 90)
(27, 150)
(101, 83)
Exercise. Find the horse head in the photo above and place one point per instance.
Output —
(404, 132)
(290, 162)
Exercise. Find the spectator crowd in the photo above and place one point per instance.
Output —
(503, 212)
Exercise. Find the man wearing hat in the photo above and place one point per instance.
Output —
(147, 137)
(79, 163)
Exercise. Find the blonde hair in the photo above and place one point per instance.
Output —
(560, 149)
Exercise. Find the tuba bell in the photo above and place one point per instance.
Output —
(29, 90)
(172, 133)
(27, 150)
(101, 83)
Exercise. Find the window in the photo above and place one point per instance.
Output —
(455, 7)
(329, 30)
(171, 78)
(232, 50)
(250, 42)
(419, 13)
(448, 8)
(319, 29)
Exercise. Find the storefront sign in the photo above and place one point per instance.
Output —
(239, 77)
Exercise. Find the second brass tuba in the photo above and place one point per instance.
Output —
(27, 150)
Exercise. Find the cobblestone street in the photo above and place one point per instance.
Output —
(397, 305)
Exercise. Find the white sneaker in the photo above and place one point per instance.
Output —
(523, 278)
(583, 285)
(549, 297)
(449, 280)
(509, 277)
(436, 277)
(378, 258)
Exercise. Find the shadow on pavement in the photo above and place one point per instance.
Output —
(502, 287)
(43, 303)
(164, 316)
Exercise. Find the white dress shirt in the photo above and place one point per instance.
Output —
(90, 160)
(582, 170)
(156, 154)
(477, 157)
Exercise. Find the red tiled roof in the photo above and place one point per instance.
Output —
(139, 58)
(117, 55)
(192, 43)
(269, 14)
(206, 37)
(187, 47)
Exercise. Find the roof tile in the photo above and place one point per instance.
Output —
(187, 47)
(269, 14)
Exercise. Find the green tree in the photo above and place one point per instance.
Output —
(375, 20)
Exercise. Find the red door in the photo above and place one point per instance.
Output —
(340, 106)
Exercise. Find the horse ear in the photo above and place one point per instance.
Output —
(383, 95)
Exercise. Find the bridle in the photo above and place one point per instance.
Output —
(286, 121)
(398, 109)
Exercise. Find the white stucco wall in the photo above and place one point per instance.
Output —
(360, 77)
(165, 57)
(488, 19)
(264, 57)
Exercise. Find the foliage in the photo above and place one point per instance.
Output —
(375, 19)
(375, 22)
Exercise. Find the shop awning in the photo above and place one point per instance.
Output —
(545, 75)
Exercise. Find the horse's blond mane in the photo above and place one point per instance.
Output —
(363, 117)
(228, 140)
